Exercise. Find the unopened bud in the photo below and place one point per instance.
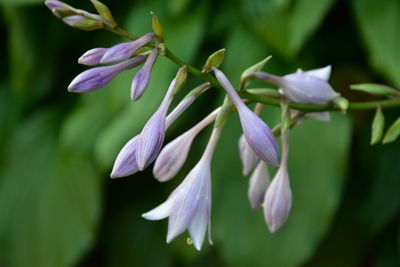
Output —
(214, 60)
(157, 27)
(82, 23)
(104, 12)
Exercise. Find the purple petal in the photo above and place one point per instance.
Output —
(92, 56)
(124, 51)
(142, 77)
(248, 157)
(258, 184)
(96, 78)
(160, 212)
(52, 4)
(126, 164)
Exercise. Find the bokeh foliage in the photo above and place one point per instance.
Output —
(59, 208)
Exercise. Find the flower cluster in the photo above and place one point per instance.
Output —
(189, 205)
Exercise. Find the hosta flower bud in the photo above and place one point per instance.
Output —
(142, 77)
(153, 133)
(126, 163)
(82, 23)
(57, 6)
(96, 78)
(174, 154)
(258, 184)
(189, 205)
(124, 51)
(247, 156)
(92, 56)
(257, 133)
(278, 197)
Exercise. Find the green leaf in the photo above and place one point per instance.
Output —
(377, 126)
(104, 12)
(375, 89)
(49, 198)
(379, 24)
(284, 25)
(393, 133)
(214, 60)
(317, 182)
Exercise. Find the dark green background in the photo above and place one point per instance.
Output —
(58, 208)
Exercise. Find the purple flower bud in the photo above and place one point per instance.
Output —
(322, 73)
(142, 77)
(278, 197)
(124, 51)
(126, 163)
(258, 184)
(174, 154)
(55, 4)
(189, 205)
(257, 133)
(247, 156)
(152, 136)
(96, 78)
(92, 56)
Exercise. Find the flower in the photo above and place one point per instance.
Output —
(257, 133)
(142, 77)
(55, 5)
(189, 205)
(126, 163)
(174, 154)
(258, 184)
(92, 56)
(123, 51)
(278, 197)
(247, 156)
(96, 78)
(301, 86)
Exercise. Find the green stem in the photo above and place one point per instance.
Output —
(388, 103)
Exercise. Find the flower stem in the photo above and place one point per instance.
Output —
(387, 103)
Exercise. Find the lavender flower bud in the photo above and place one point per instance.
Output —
(153, 133)
(174, 154)
(126, 163)
(189, 205)
(82, 23)
(247, 156)
(278, 197)
(258, 184)
(51, 4)
(96, 78)
(322, 73)
(142, 77)
(123, 51)
(257, 133)
(92, 56)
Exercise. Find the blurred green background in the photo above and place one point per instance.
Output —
(58, 207)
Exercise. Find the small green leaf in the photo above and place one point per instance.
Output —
(157, 27)
(104, 12)
(393, 133)
(256, 67)
(342, 103)
(214, 60)
(180, 77)
(377, 126)
(376, 89)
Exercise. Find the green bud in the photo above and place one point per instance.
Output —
(377, 126)
(256, 67)
(104, 12)
(375, 89)
(180, 77)
(342, 103)
(199, 89)
(214, 60)
(157, 27)
(223, 113)
(393, 133)
(82, 23)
